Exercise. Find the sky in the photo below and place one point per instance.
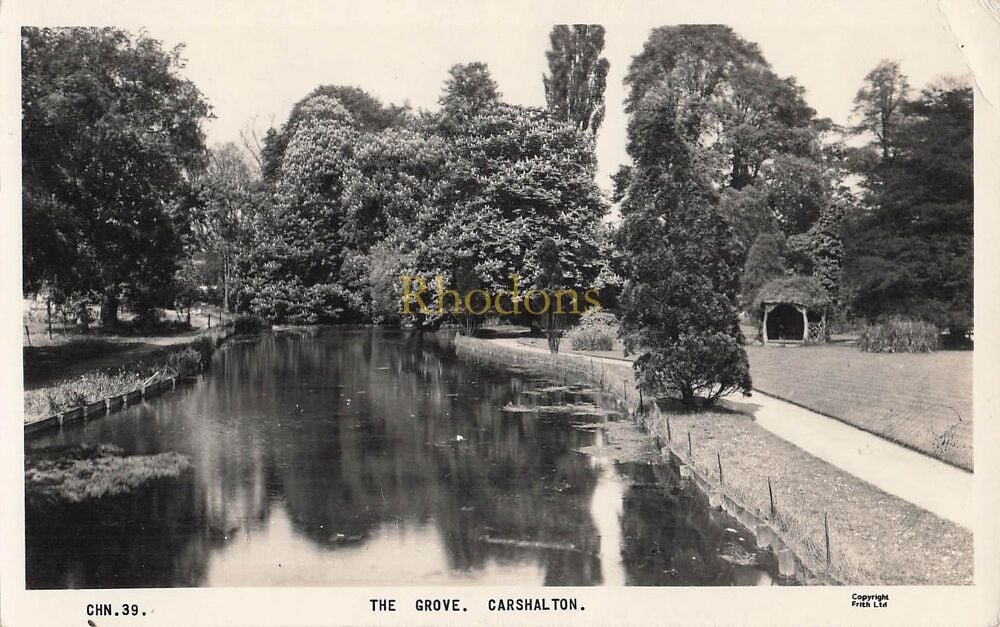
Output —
(254, 61)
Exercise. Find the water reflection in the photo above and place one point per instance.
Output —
(372, 458)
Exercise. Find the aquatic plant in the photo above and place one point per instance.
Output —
(86, 388)
(79, 473)
(97, 385)
(187, 362)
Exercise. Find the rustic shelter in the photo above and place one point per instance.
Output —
(793, 309)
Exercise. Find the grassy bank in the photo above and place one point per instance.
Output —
(875, 538)
(94, 385)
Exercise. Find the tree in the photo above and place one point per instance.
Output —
(468, 91)
(909, 249)
(228, 197)
(391, 185)
(574, 88)
(299, 254)
(367, 115)
(757, 139)
(111, 138)
(730, 102)
(765, 261)
(550, 279)
(518, 172)
(679, 257)
(878, 105)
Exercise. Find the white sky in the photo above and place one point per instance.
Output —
(253, 61)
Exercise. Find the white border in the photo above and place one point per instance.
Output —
(974, 28)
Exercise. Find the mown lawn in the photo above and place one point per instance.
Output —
(921, 400)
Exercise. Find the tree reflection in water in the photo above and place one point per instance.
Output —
(333, 457)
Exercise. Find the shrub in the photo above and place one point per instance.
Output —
(249, 325)
(900, 335)
(595, 332)
(205, 346)
(187, 362)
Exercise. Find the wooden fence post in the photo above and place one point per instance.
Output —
(770, 495)
(826, 535)
(718, 458)
(690, 454)
(667, 419)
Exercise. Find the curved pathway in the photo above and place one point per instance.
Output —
(940, 488)
(933, 485)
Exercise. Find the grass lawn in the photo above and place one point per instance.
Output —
(875, 538)
(921, 400)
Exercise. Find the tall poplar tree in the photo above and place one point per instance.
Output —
(574, 87)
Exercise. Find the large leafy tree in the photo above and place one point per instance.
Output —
(733, 105)
(679, 259)
(368, 115)
(910, 246)
(111, 137)
(299, 254)
(515, 175)
(759, 142)
(574, 87)
(391, 187)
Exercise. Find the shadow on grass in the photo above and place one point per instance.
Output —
(44, 362)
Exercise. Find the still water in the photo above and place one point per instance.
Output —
(365, 457)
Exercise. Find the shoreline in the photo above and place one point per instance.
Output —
(808, 490)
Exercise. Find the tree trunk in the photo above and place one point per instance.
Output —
(536, 327)
(109, 310)
(552, 331)
(687, 397)
(225, 283)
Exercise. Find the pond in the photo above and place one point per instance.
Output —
(330, 457)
